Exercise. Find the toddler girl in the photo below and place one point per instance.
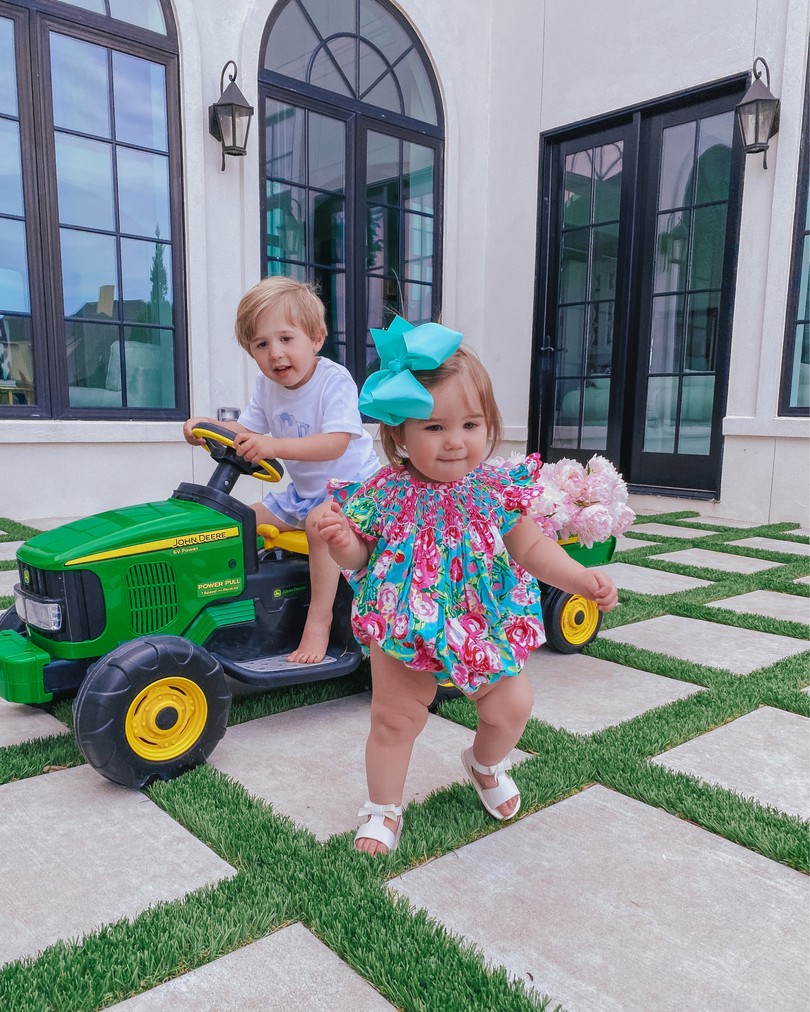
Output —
(444, 563)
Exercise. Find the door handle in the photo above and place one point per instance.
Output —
(548, 346)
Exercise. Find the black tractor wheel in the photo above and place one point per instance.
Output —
(571, 621)
(150, 710)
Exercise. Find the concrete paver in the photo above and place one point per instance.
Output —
(290, 969)
(585, 694)
(617, 906)
(8, 550)
(740, 651)
(803, 579)
(670, 530)
(83, 852)
(773, 545)
(763, 755)
(624, 544)
(789, 607)
(20, 723)
(309, 763)
(717, 560)
(650, 581)
(8, 577)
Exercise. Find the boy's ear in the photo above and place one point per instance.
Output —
(319, 340)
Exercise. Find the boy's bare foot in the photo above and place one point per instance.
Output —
(487, 781)
(312, 648)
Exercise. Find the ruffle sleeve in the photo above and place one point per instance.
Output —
(365, 504)
(519, 488)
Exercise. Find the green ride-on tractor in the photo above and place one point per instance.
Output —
(142, 612)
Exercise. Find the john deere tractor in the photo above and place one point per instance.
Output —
(144, 611)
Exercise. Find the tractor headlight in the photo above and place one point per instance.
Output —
(45, 615)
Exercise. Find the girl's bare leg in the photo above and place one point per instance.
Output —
(503, 709)
(400, 698)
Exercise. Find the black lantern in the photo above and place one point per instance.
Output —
(229, 117)
(758, 114)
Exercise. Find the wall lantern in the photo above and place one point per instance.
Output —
(229, 117)
(758, 114)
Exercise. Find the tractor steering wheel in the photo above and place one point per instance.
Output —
(218, 441)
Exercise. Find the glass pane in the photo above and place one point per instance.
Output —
(417, 93)
(277, 268)
(97, 6)
(383, 240)
(384, 94)
(804, 282)
(146, 281)
(373, 69)
(148, 368)
(143, 193)
(577, 188)
(328, 216)
(672, 251)
(284, 125)
(81, 99)
(8, 69)
(286, 221)
(417, 176)
(327, 72)
(84, 182)
(701, 332)
(140, 102)
(384, 302)
(708, 246)
(290, 44)
(16, 359)
(145, 14)
(596, 396)
(697, 401)
(666, 333)
(607, 181)
(418, 303)
(662, 407)
(331, 16)
(605, 261)
(715, 134)
(92, 354)
(570, 334)
(418, 247)
(382, 30)
(599, 351)
(574, 265)
(88, 273)
(675, 185)
(332, 288)
(566, 414)
(382, 166)
(14, 297)
(327, 153)
(11, 196)
(800, 380)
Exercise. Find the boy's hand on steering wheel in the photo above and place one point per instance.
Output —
(253, 447)
(193, 423)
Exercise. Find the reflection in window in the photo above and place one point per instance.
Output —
(142, 13)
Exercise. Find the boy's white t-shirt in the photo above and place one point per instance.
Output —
(325, 403)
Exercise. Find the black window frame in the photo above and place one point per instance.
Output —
(792, 311)
(33, 20)
(359, 117)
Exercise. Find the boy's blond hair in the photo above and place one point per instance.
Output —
(468, 367)
(299, 302)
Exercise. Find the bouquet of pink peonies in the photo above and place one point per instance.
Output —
(587, 501)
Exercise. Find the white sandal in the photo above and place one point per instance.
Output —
(375, 828)
(504, 790)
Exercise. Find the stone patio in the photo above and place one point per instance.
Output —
(617, 906)
(650, 581)
(670, 530)
(584, 694)
(20, 723)
(739, 651)
(8, 550)
(772, 545)
(764, 756)
(789, 607)
(717, 560)
(290, 969)
(61, 836)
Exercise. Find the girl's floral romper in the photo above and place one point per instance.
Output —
(440, 591)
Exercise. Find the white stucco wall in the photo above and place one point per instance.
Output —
(508, 70)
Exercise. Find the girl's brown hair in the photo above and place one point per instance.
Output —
(299, 302)
(467, 366)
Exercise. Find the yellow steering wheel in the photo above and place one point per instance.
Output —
(218, 441)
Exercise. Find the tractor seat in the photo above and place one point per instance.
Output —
(290, 541)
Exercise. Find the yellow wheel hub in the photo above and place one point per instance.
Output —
(166, 718)
(579, 620)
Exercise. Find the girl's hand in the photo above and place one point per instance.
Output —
(334, 528)
(253, 447)
(601, 589)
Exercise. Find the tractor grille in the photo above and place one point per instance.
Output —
(152, 589)
(80, 594)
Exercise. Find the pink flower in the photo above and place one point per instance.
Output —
(372, 626)
(480, 656)
(524, 633)
(456, 570)
(399, 629)
(383, 563)
(387, 598)
(424, 658)
(422, 605)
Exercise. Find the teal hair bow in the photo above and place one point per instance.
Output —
(393, 393)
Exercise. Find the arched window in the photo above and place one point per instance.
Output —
(352, 150)
(91, 310)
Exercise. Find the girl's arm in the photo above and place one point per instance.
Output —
(345, 546)
(320, 446)
(541, 556)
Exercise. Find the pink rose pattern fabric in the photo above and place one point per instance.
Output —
(440, 591)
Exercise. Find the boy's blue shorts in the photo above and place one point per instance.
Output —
(290, 507)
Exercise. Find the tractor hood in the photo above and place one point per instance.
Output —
(135, 530)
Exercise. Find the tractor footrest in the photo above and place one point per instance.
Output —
(275, 670)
